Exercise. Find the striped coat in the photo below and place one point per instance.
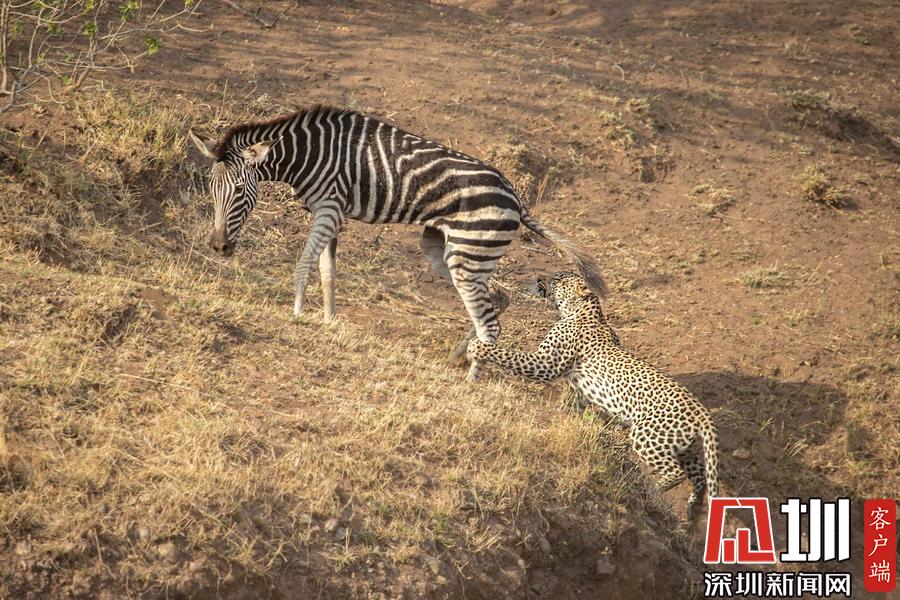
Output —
(344, 165)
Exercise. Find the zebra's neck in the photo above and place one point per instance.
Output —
(311, 155)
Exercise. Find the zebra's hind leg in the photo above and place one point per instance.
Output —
(327, 273)
(432, 244)
(470, 278)
(500, 301)
(327, 219)
(433, 247)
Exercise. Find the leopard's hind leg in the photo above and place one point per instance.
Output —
(658, 454)
(574, 401)
(691, 460)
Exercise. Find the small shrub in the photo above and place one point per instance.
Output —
(807, 100)
(526, 167)
(615, 130)
(714, 96)
(638, 106)
(56, 45)
(858, 34)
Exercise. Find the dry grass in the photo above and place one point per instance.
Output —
(873, 418)
(800, 316)
(806, 100)
(889, 326)
(158, 397)
(161, 420)
(527, 168)
(116, 124)
(764, 278)
(77, 198)
(614, 130)
(716, 201)
(819, 187)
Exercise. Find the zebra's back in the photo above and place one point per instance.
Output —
(383, 174)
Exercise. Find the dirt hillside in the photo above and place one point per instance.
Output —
(168, 430)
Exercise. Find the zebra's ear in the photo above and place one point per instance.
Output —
(204, 146)
(258, 151)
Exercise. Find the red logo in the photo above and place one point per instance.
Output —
(730, 551)
(880, 568)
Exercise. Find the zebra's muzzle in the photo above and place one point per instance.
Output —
(222, 246)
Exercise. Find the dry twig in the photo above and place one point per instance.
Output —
(252, 14)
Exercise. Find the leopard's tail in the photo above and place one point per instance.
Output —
(587, 266)
(711, 457)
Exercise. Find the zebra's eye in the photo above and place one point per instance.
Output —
(239, 186)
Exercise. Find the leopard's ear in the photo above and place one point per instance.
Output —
(582, 289)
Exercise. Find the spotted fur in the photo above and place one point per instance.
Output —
(669, 429)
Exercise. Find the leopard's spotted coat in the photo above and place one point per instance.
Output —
(669, 429)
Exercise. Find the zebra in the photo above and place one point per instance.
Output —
(345, 165)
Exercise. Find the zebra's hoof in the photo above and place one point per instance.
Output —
(459, 359)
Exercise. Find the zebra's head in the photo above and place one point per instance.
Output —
(233, 183)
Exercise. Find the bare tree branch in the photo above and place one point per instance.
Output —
(61, 43)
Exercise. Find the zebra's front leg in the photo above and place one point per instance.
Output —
(327, 272)
(327, 219)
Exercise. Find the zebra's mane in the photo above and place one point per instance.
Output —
(247, 130)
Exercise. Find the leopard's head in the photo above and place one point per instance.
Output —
(564, 290)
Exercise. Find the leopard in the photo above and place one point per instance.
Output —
(668, 428)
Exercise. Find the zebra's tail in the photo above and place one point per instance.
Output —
(587, 266)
